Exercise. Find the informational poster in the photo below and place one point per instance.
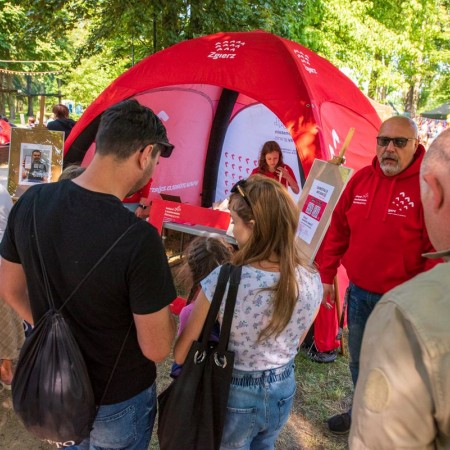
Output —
(320, 194)
(36, 163)
(241, 149)
(313, 209)
(35, 157)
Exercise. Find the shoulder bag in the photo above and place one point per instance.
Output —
(192, 409)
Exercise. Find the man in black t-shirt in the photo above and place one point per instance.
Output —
(76, 222)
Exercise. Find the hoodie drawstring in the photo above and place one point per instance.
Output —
(371, 197)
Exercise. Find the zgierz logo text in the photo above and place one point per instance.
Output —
(215, 55)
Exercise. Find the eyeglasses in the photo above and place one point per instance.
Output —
(239, 187)
(399, 142)
(166, 148)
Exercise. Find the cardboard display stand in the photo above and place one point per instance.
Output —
(35, 156)
(323, 188)
(25, 145)
(320, 194)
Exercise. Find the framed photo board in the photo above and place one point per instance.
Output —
(35, 157)
(321, 192)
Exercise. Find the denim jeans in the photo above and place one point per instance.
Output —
(360, 305)
(258, 407)
(127, 425)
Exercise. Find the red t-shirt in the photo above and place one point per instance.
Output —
(274, 175)
(142, 193)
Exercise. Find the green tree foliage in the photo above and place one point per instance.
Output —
(395, 50)
(22, 40)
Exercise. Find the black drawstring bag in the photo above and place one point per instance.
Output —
(192, 409)
(51, 390)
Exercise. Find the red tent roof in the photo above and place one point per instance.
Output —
(316, 103)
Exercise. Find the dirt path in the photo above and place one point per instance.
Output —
(12, 433)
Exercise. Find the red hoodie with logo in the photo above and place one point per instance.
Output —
(377, 229)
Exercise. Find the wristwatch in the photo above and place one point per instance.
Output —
(142, 206)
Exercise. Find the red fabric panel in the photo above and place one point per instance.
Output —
(5, 132)
(326, 324)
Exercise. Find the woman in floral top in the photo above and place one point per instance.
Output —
(277, 300)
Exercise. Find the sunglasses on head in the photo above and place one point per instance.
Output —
(239, 188)
(399, 142)
(166, 148)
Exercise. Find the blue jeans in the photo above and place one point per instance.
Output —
(258, 407)
(361, 303)
(127, 425)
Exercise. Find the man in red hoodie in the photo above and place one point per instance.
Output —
(378, 233)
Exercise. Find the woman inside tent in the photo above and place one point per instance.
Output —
(271, 165)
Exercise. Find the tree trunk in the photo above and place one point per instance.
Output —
(412, 98)
(11, 97)
(29, 97)
(195, 20)
(374, 89)
(2, 94)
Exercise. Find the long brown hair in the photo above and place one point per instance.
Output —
(275, 217)
(269, 147)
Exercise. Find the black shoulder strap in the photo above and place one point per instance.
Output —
(216, 301)
(83, 280)
(225, 329)
(227, 272)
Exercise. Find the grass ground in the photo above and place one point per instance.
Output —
(322, 391)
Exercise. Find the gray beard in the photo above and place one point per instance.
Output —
(389, 169)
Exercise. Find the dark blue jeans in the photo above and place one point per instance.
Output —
(126, 426)
(360, 305)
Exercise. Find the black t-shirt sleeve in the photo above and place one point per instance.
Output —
(151, 286)
(8, 249)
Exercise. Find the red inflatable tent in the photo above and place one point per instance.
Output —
(222, 96)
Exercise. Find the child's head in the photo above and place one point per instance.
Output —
(60, 111)
(71, 172)
(201, 257)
